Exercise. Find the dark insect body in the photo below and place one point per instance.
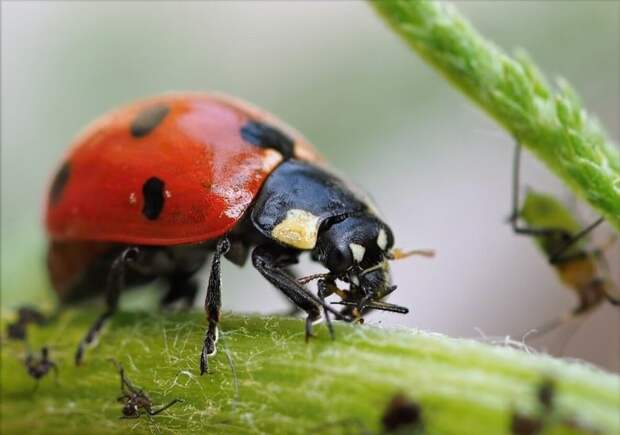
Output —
(25, 316)
(562, 240)
(37, 368)
(155, 189)
(135, 401)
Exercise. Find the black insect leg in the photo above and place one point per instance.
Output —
(568, 239)
(163, 408)
(270, 262)
(213, 303)
(327, 287)
(116, 282)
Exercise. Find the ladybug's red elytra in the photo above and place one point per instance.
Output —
(156, 188)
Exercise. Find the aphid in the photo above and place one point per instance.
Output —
(25, 316)
(135, 401)
(562, 240)
(37, 368)
(155, 188)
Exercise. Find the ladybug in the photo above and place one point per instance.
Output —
(155, 189)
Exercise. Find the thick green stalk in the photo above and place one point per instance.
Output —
(280, 384)
(553, 125)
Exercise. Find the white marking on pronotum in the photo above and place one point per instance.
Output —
(299, 229)
(270, 159)
(358, 252)
(132, 198)
(382, 239)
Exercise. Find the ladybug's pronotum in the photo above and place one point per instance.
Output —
(156, 188)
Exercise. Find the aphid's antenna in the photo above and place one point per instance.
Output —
(399, 254)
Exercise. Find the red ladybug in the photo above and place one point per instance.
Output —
(153, 189)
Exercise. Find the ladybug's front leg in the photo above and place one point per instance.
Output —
(271, 263)
(116, 282)
(213, 303)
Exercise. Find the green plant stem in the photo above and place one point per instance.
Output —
(553, 125)
(284, 385)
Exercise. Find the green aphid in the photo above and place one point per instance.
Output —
(541, 211)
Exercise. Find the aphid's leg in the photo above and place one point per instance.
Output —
(566, 237)
(213, 303)
(327, 287)
(126, 384)
(163, 408)
(585, 306)
(182, 287)
(271, 265)
(116, 282)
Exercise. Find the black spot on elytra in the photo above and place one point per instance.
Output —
(148, 119)
(266, 136)
(59, 183)
(400, 413)
(153, 193)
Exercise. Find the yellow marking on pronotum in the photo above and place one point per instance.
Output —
(299, 229)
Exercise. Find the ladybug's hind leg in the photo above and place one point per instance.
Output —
(116, 283)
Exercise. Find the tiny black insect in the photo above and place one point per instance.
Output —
(25, 316)
(136, 401)
(39, 367)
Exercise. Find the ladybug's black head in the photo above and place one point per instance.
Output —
(356, 250)
(359, 241)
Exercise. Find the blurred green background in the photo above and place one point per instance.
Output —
(437, 166)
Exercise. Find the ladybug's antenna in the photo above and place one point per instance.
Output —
(399, 254)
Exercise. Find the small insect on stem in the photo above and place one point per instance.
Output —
(37, 368)
(135, 401)
(563, 240)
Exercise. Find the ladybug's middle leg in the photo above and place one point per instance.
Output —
(213, 303)
(116, 282)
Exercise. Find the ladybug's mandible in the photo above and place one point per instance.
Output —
(153, 189)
